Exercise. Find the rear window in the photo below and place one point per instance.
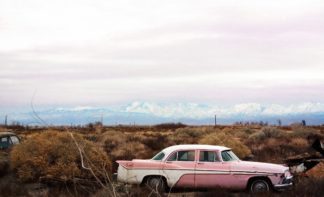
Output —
(159, 156)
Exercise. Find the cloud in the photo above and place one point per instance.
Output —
(102, 52)
(76, 109)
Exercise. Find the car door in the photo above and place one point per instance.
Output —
(211, 171)
(179, 168)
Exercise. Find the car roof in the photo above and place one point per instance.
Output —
(3, 134)
(171, 149)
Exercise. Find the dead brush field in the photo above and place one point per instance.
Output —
(80, 161)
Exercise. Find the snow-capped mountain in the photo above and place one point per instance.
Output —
(189, 113)
(194, 110)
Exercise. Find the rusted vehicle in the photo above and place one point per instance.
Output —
(7, 140)
(203, 166)
(300, 164)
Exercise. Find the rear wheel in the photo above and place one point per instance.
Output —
(156, 184)
(259, 186)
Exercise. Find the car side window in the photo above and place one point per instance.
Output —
(4, 142)
(173, 157)
(208, 156)
(4, 139)
(183, 156)
(186, 155)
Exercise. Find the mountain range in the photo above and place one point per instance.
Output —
(149, 113)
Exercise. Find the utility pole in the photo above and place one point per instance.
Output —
(6, 120)
(215, 120)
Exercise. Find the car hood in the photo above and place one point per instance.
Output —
(259, 167)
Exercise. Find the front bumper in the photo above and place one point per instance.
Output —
(287, 183)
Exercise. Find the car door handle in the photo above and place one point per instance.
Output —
(200, 163)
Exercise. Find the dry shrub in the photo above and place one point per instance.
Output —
(11, 188)
(190, 135)
(312, 186)
(155, 141)
(269, 144)
(248, 130)
(184, 136)
(265, 133)
(271, 132)
(240, 132)
(112, 139)
(299, 142)
(223, 139)
(278, 149)
(301, 131)
(131, 150)
(121, 146)
(190, 131)
(4, 163)
(257, 137)
(3, 129)
(317, 171)
(54, 155)
(171, 126)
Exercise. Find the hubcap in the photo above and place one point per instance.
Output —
(260, 186)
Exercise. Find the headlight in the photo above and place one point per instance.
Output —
(287, 173)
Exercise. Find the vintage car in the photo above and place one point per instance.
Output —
(203, 166)
(7, 140)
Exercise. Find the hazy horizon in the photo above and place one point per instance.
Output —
(151, 113)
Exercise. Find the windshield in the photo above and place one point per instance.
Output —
(228, 155)
(159, 156)
(14, 140)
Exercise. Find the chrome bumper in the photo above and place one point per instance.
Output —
(286, 184)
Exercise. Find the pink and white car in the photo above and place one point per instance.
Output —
(203, 166)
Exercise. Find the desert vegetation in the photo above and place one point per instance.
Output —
(80, 161)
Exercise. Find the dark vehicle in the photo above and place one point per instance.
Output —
(7, 140)
(302, 163)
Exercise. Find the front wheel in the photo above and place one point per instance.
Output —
(156, 184)
(259, 186)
